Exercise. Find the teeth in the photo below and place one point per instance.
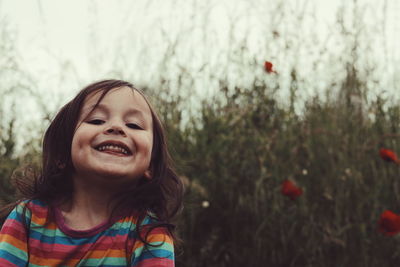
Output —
(113, 148)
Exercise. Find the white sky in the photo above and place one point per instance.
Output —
(64, 45)
(54, 31)
(51, 32)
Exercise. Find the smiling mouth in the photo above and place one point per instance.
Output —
(115, 149)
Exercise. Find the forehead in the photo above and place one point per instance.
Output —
(121, 98)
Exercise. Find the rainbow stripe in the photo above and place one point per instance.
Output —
(55, 244)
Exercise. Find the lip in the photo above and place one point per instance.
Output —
(114, 142)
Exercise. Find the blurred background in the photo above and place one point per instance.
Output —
(237, 130)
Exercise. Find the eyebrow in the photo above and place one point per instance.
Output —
(102, 107)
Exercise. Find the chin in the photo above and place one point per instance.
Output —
(119, 173)
(112, 173)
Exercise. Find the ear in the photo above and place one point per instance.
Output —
(147, 174)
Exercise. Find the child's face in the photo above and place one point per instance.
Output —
(116, 139)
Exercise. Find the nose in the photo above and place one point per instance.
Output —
(115, 130)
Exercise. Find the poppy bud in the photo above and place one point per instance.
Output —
(291, 190)
(388, 155)
(269, 67)
(389, 223)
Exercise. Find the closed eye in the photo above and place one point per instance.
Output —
(96, 122)
(134, 126)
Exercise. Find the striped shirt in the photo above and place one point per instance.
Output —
(55, 244)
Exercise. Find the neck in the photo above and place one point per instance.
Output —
(89, 205)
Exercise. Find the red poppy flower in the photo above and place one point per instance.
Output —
(388, 155)
(389, 223)
(291, 190)
(269, 67)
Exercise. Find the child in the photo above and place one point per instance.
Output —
(106, 192)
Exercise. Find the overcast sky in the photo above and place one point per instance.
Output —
(81, 32)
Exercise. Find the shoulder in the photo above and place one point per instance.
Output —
(14, 234)
(149, 224)
(155, 245)
(148, 229)
(139, 220)
(32, 206)
(25, 209)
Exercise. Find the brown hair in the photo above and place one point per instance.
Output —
(162, 195)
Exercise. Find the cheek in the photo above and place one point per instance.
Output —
(79, 142)
(145, 145)
(144, 140)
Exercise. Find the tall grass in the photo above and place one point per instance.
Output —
(236, 156)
